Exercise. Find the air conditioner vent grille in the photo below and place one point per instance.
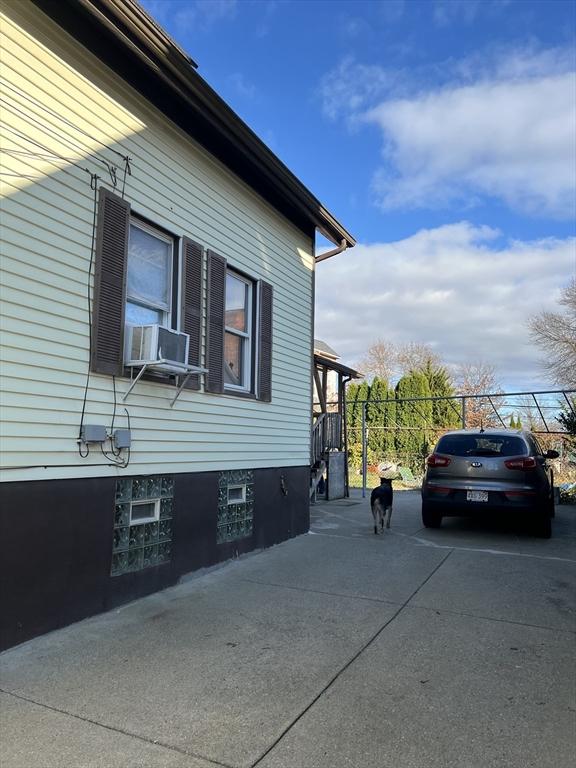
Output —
(172, 346)
(156, 346)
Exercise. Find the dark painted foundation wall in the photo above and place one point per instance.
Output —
(56, 543)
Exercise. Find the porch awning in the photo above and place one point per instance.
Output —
(325, 362)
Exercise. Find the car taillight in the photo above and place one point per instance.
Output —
(521, 462)
(436, 460)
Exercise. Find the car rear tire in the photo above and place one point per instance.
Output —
(430, 519)
(551, 505)
(542, 527)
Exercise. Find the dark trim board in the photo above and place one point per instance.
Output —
(56, 543)
(121, 36)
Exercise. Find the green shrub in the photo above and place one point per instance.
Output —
(568, 494)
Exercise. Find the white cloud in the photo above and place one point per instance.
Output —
(392, 10)
(195, 14)
(352, 27)
(448, 12)
(498, 126)
(502, 63)
(242, 87)
(266, 11)
(514, 141)
(455, 287)
(351, 88)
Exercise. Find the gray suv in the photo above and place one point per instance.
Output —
(472, 472)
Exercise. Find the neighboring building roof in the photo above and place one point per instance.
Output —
(323, 349)
(125, 38)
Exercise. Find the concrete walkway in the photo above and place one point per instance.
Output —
(339, 649)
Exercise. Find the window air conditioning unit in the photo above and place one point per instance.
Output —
(156, 346)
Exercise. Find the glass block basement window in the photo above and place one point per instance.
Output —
(142, 523)
(235, 505)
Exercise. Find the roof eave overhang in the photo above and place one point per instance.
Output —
(125, 37)
(332, 365)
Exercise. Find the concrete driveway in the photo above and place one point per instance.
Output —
(339, 649)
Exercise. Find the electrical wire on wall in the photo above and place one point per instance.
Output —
(94, 185)
(49, 155)
(28, 113)
(72, 148)
(127, 170)
(53, 114)
(114, 455)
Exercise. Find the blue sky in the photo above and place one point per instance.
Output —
(441, 133)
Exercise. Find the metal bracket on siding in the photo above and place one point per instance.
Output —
(191, 371)
(188, 370)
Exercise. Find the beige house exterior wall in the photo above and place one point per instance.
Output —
(68, 116)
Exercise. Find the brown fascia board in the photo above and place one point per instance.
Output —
(125, 38)
(332, 365)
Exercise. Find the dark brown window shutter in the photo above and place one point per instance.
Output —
(265, 343)
(107, 353)
(215, 325)
(192, 303)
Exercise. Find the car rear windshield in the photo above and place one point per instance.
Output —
(481, 445)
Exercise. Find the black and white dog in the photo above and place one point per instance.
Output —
(381, 502)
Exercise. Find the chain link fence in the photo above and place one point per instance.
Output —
(404, 431)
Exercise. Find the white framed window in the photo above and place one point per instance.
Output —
(146, 511)
(149, 275)
(236, 494)
(238, 332)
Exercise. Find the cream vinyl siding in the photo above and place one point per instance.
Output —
(62, 101)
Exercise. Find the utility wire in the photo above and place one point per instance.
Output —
(63, 138)
(66, 140)
(49, 154)
(94, 184)
(54, 114)
(45, 149)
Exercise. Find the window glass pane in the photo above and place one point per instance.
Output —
(236, 494)
(233, 355)
(148, 276)
(236, 303)
(139, 315)
(476, 445)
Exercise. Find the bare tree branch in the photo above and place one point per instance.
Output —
(389, 361)
(479, 378)
(555, 334)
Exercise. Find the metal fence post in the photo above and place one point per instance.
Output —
(463, 413)
(364, 451)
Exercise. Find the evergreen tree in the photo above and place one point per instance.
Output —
(351, 396)
(355, 404)
(568, 420)
(414, 420)
(512, 422)
(380, 421)
(362, 396)
(389, 443)
(445, 413)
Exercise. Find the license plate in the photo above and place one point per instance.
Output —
(476, 495)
